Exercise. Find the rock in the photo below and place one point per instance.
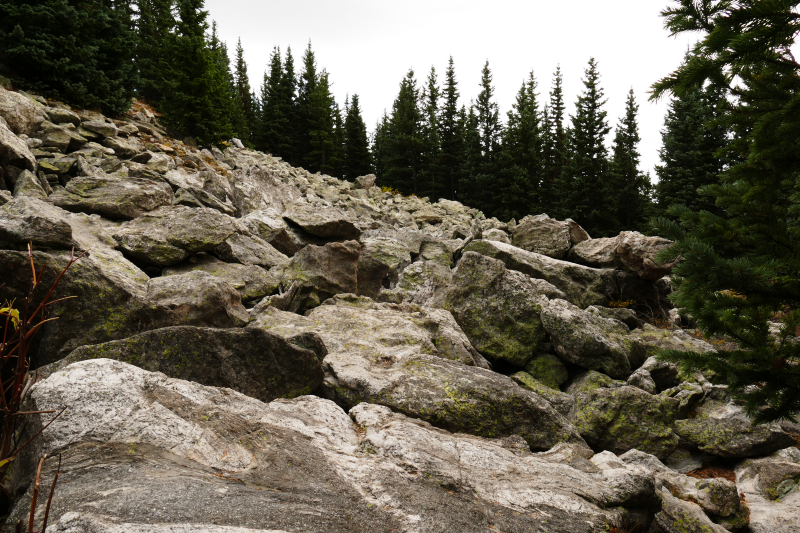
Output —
(497, 308)
(590, 380)
(123, 148)
(327, 223)
(664, 374)
(496, 235)
(101, 127)
(255, 189)
(438, 252)
(771, 487)
(641, 379)
(28, 184)
(271, 228)
(626, 316)
(169, 235)
(332, 269)
(428, 215)
(59, 166)
(586, 340)
(421, 283)
(365, 182)
(733, 437)
(625, 418)
(27, 219)
(160, 162)
(61, 138)
(583, 286)
(576, 232)
(630, 250)
(111, 197)
(249, 250)
(198, 299)
(547, 369)
(19, 112)
(251, 361)
(60, 115)
(250, 281)
(14, 151)
(542, 235)
(196, 458)
(5, 197)
(678, 516)
(564, 404)
(381, 261)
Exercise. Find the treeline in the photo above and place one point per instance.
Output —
(102, 53)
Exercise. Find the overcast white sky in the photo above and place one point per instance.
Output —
(368, 46)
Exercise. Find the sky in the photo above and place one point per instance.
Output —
(368, 46)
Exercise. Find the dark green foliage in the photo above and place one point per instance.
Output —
(582, 188)
(431, 183)
(404, 140)
(740, 267)
(287, 94)
(521, 158)
(628, 188)
(245, 107)
(305, 87)
(325, 146)
(153, 27)
(380, 144)
(77, 50)
(357, 159)
(554, 147)
(451, 135)
(691, 146)
(273, 122)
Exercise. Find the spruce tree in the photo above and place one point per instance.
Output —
(287, 94)
(691, 143)
(470, 188)
(521, 158)
(273, 121)
(246, 109)
(154, 25)
(585, 196)
(740, 267)
(357, 158)
(451, 134)
(405, 140)
(431, 184)
(324, 146)
(629, 188)
(554, 148)
(78, 50)
(380, 147)
(482, 188)
(305, 88)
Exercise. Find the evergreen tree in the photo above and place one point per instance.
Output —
(554, 148)
(273, 121)
(629, 188)
(380, 144)
(357, 158)
(154, 25)
(585, 196)
(431, 184)
(521, 158)
(404, 139)
(451, 134)
(196, 100)
(323, 142)
(305, 88)
(472, 159)
(689, 154)
(287, 89)
(77, 50)
(245, 106)
(740, 266)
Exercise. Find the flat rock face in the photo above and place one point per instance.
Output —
(583, 286)
(249, 250)
(332, 269)
(250, 281)
(192, 456)
(328, 223)
(169, 235)
(13, 150)
(629, 250)
(497, 308)
(115, 198)
(733, 437)
(25, 219)
(771, 487)
(542, 235)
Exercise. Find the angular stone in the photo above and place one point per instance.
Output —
(583, 286)
(496, 235)
(27, 219)
(365, 182)
(198, 298)
(249, 250)
(629, 250)
(564, 404)
(169, 235)
(272, 229)
(123, 148)
(59, 115)
(678, 516)
(28, 184)
(111, 197)
(428, 215)
(421, 283)
(590, 380)
(626, 316)
(60, 138)
(161, 163)
(771, 487)
(101, 127)
(256, 188)
(542, 235)
(19, 112)
(325, 222)
(733, 437)
(497, 308)
(380, 263)
(14, 151)
(436, 251)
(250, 361)
(333, 268)
(251, 282)
(547, 369)
(62, 165)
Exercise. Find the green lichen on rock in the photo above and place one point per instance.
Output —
(590, 380)
(548, 369)
(733, 437)
(563, 403)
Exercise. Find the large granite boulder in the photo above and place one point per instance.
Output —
(271, 228)
(250, 281)
(497, 308)
(198, 458)
(381, 261)
(421, 283)
(583, 286)
(112, 197)
(324, 222)
(169, 235)
(771, 487)
(547, 236)
(255, 188)
(26, 220)
(13, 150)
(629, 250)
(249, 250)
(19, 112)
(733, 437)
(251, 361)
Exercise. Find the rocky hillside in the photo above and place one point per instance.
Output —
(254, 348)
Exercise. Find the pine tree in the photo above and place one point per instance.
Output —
(689, 154)
(196, 100)
(521, 158)
(554, 147)
(451, 134)
(740, 266)
(246, 109)
(357, 158)
(323, 143)
(380, 145)
(431, 184)
(77, 50)
(629, 187)
(404, 139)
(154, 25)
(287, 89)
(273, 121)
(471, 191)
(584, 196)
(305, 88)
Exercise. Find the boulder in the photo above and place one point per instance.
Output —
(542, 235)
(496, 235)
(678, 516)
(101, 127)
(624, 418)
(112, 197)
(271, 228)
(582, 285)
(547, 369)
(160, 162)
(26, 219)
(733, 437)
(626, 316)
(169, 235)
(629, 250)
(123, 148)
(13, 150)
(771, 487)
(61, 115)
(333, 268)
(590, 380)
(61, 138)
(324, 222)
(250, 281)
(564, 404)
(249, 250)
(421, 283)
(436, 251)
(251, 361)
(497, 308)
(381, 261)
(256, 188)
(364, 182)
(198, 299)
(19, 112)
(197, 458)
